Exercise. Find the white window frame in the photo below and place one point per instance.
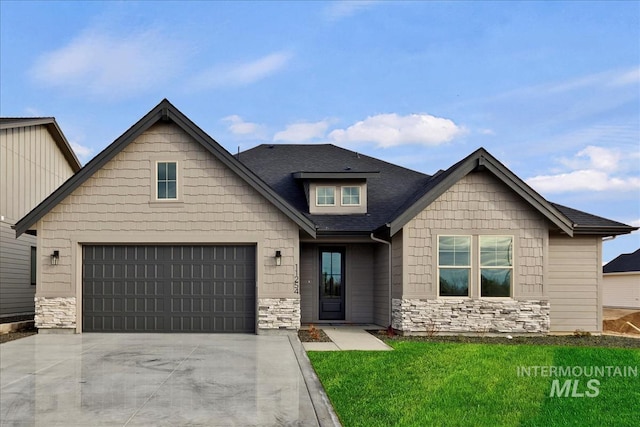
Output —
(318, 188)
(177, 181)
(496, 267)
(342, 203)
(469, 267)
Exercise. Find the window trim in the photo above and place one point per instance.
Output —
(468, 267)
(157, 180)
(179, 160)
(342, 188)
(318, 187)
(475, 275)
(501, 267)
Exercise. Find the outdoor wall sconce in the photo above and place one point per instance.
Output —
(278, 258)
(55, 257)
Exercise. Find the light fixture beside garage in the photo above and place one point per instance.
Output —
(55, 257)
(278, 258)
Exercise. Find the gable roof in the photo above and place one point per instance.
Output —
(395, 194)
(623, 263)
(165, 112)
(478, 160)
(53, 128)
(285, 166)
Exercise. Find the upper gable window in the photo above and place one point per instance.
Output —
(351, 196)
(167, 181)
(325, 196)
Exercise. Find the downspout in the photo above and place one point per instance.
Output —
(375, 239)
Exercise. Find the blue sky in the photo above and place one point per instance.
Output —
(552, 89)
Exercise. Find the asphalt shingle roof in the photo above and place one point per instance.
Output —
(387, 192)
(623, 263)
(394, 190)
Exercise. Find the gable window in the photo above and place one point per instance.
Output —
(34, 262)
(167, 180)
(454, 265)
(350, 196)
(325, 196)
(496, 266)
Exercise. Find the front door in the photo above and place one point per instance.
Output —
(332, 284)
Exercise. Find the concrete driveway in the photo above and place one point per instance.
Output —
(159, 379)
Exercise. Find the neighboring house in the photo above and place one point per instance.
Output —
(35, 159)
(165, 230)
(621, 281)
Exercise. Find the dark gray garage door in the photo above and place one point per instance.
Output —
(168, 289)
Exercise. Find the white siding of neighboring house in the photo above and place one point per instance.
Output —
(621, 290)
(31, 167)
(574, 283)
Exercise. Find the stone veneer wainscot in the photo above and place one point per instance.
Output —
(446, 316)
(278, 314)
(55, 313)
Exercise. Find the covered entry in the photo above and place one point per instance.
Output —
(162, 288)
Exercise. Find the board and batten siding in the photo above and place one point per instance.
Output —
(31, 168)
(117, 205)
(574, 283)
(477, 204)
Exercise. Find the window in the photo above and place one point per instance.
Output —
(325, 196)
(351, 196)
(34, 262)
(454, 265)
(167, 180)
(496, 266)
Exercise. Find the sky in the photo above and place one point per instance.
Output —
(552, 89)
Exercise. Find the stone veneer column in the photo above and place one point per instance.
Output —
(447, 316)
(55, 314)
(278, 314)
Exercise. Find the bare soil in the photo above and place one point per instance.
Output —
(620, 325)
(317, 335)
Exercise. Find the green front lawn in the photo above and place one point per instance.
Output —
(450, 384)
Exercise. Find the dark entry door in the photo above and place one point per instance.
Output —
(332, 284)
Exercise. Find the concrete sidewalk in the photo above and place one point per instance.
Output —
(347, 338)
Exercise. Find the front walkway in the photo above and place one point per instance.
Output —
(347, 338)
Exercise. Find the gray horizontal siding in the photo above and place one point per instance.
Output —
(16, 291)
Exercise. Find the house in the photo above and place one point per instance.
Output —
(621, 281)
(35, 159)
(166, 231)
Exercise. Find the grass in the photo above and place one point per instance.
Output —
(452, 384)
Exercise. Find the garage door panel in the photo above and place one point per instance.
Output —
(169, 288)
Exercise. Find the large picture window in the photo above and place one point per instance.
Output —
(167, 180)
(496, 266)
(454, 265)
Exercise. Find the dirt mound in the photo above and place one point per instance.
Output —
(620, 325)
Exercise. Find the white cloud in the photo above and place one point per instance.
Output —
(626, 78)
(594, 169)
(300, 132)
(390, 130)
(110, 65)
(242, 74)
(82, 152)
(345, 8)
(238, 126)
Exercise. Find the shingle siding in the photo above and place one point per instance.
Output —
(215, 203)
(477, 204)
